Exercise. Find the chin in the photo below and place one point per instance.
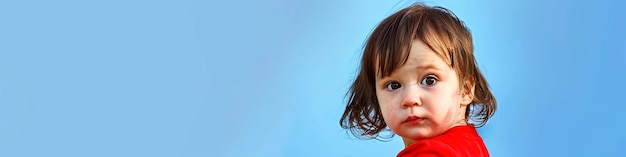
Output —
(416, 134)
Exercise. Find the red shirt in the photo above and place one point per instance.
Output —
(458, 141)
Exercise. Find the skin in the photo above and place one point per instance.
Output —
(425, 91)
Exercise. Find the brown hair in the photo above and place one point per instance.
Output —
(388, 48)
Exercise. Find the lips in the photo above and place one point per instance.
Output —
(414, 120)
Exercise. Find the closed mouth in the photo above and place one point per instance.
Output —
(414, 120)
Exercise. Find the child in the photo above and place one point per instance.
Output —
(418, 76)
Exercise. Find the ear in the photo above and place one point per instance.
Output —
(467, 94)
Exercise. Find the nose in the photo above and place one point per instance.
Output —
(411, 97)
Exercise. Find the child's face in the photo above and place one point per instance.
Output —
(421, 99)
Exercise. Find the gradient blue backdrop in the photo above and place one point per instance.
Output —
(267, 78)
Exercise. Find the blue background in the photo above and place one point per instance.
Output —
(268, 78)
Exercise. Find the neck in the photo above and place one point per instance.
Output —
(407, 142)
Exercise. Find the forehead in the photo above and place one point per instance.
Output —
(419, 57)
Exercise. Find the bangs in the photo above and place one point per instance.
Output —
(390, 43)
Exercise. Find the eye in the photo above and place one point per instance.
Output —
(393, 85)
(429, 80)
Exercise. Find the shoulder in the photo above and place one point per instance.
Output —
(434, 148)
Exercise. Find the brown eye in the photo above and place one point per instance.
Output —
(393, 85)
(429, 80)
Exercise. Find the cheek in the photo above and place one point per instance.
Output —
(388, 108)
(443, 104)
(452, 109)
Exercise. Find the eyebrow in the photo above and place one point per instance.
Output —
(427, 66)
(420, 67)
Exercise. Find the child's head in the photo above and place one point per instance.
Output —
(418, 76)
